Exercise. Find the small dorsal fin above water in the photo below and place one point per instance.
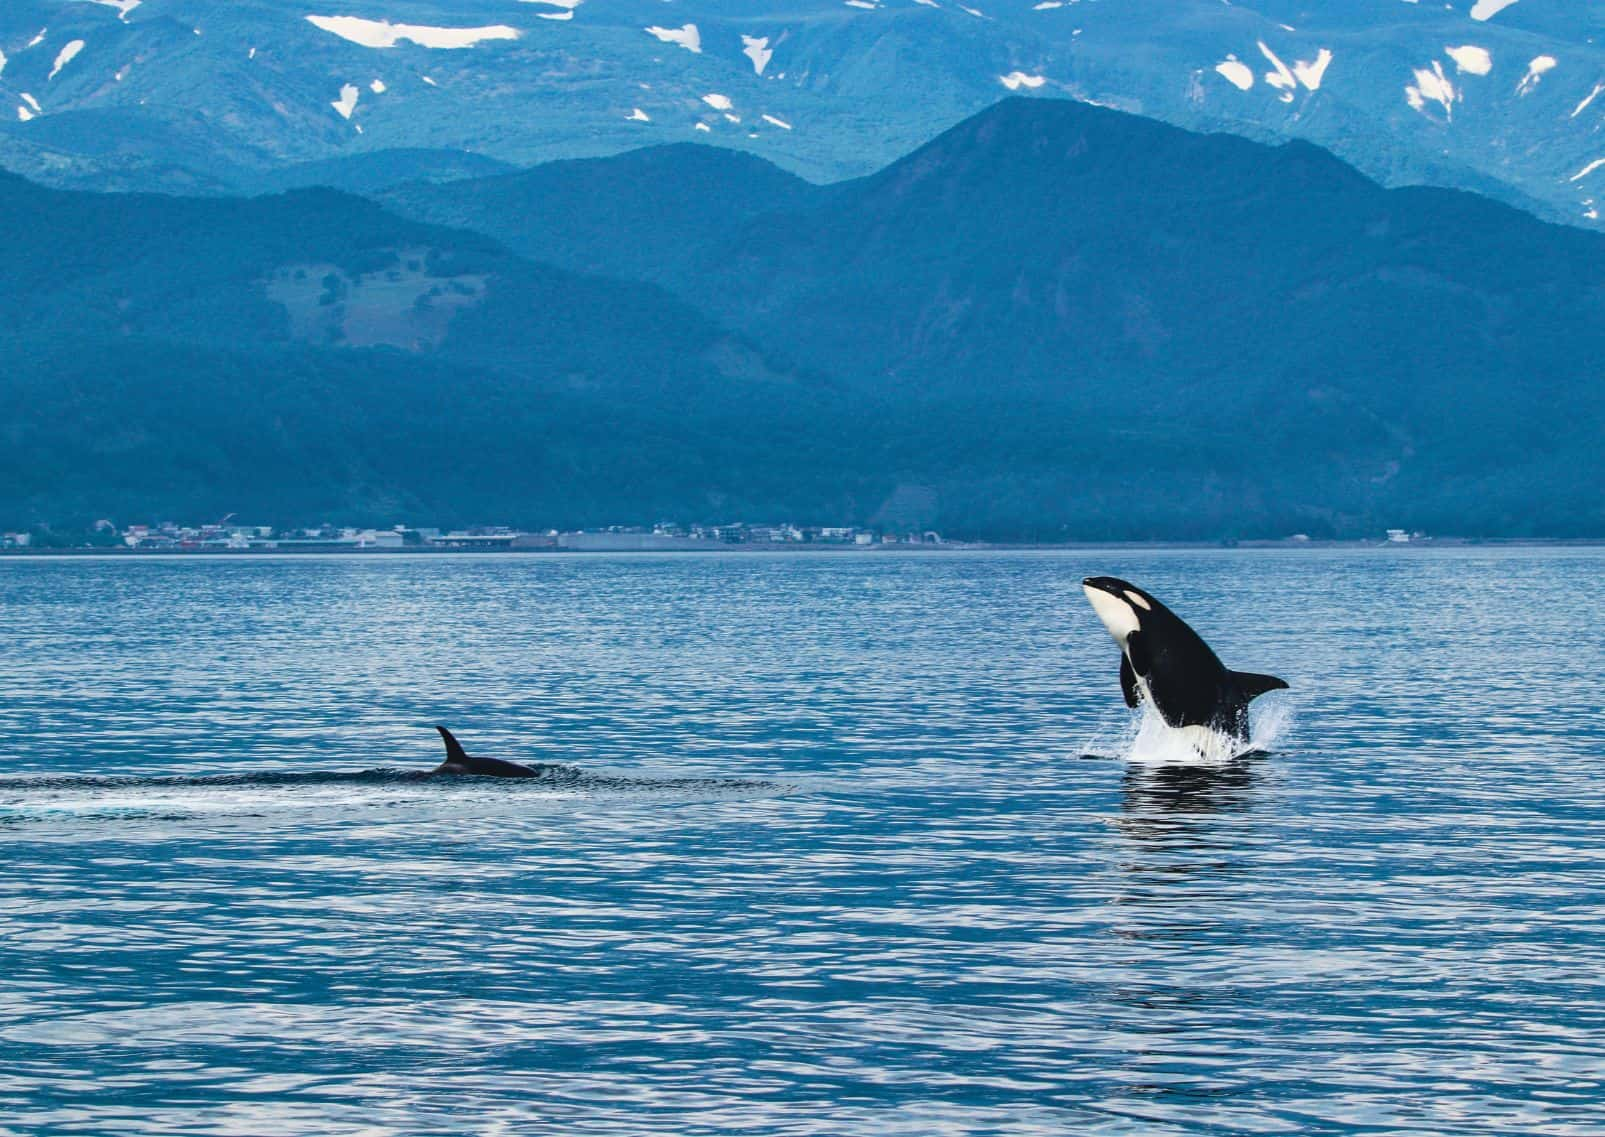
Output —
(455, 754)
(1252, 686)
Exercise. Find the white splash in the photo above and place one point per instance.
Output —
(1488, 9)
(1147, 740)
(1019, 80)
(38, 39)
(378, 87)
(757, 49)
(65, 56)
(24, 114)
(1535, 73)
(638, 115)
(1470, 59)
(347, 102)
(1581, 107)
(718, 102)
(384, 34)
(687, 37)
(3, 64)
(780, 122)
(1586, 170)
(32, 102)
(1235, 72)
(704, 127)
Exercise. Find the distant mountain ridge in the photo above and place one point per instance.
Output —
(1501, 98)
(1053, 321)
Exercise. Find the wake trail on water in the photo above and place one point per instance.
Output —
(31, 798)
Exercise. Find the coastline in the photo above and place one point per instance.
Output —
(759, 548)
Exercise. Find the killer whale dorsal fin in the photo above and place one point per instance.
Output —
(1128, 683)
(1253, 686)
(455, 754)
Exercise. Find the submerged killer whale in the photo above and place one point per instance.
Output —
(1167, 665)
(459, 761)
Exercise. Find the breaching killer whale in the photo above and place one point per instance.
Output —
(459, 761)
(1167, 665)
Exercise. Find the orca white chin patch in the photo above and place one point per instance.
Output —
(1117, 614)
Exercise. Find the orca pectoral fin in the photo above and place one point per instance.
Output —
(455, 754)
(1253, 686)
(1128, 683)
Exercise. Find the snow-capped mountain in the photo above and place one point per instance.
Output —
(1501, 96)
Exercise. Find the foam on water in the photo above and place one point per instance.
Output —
(1145, 739)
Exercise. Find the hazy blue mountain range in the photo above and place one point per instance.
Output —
(1506, 97)
(1054, 320)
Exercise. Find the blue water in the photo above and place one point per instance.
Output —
(837, 864)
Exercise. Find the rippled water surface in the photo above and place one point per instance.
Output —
(834, 864)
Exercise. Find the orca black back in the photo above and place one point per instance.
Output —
(459, 761)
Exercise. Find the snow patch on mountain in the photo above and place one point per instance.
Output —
(1586, 170)
(1307, 73)
(1488, 9)
(757, 49)
(1535, 74)
(1432, 86)
(687, 37)
(123, 6)
(346, 104)
(1281, 78)
(384, 34)
(65, 56)
(1235, 72)
(1019, 80)
(1470, 59)
(565, 8)
(1311, 72)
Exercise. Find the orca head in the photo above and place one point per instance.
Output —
(1122, 606)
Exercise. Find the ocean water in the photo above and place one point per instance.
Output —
(837, 864)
